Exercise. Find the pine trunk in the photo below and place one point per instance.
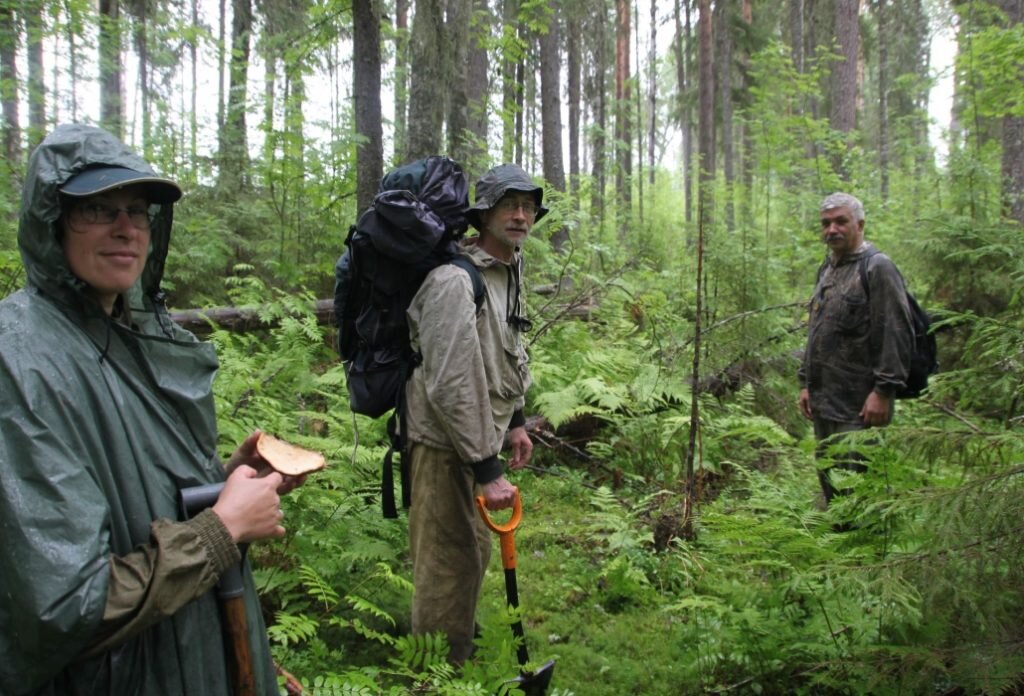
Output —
(843, 115)
(35, 27)
(426, 109)
(234, 150)
(110, 67)
(366, 16)
(623, 127)
(9, 33)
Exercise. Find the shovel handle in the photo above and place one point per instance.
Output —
(506, 531)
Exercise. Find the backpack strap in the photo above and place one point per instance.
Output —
(862, 270)
(475, 278)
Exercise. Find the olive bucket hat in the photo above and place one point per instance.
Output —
(498, 181)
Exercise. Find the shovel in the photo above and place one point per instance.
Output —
(531, 683)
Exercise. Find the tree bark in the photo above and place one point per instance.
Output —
(1013, 137)
(843, 114)
(426, 109)
(598, 100)
(681, 46)
(366, 17)
(723, 10)
(574, 68)
(551, 113)
(652, 95)
(9, 33)
(234, 149)
(35, 28)
(140, 36)
(623, 126)
(706, 120)
(193, 119)
(456, 56)
(478, 91)
(401, 73)
(110, 67)
(882, 17)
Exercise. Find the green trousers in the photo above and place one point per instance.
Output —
(450, 548)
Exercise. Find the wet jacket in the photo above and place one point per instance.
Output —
(471, 385)
(857, 341)
(102, 591)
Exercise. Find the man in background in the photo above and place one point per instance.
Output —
(860, 336)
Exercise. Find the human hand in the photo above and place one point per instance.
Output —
(247, 454)
(522, 447)
(249, 505)
(804, 401)
(498, 494)
(875, 410)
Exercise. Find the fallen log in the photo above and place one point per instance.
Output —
(203, 321)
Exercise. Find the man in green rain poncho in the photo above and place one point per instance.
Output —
(106, 413)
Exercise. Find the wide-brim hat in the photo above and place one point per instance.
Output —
(94, 180)
(498, 181)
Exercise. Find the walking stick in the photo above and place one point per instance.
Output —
(230, 592)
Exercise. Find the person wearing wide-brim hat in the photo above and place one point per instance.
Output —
(465, 405)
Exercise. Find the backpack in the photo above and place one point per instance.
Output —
(924, 356)
(413, 226)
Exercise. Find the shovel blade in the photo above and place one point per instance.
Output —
(535, 683)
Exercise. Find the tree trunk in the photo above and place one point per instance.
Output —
(1013, 138)
(796, 34)
(426, 109)
(456, 55)
(682, 55)
(707, 98)
(401, 103)
(509, 18)
(706, 120)
(110, 67)
(843, 115)
(193, 120)
(478, 90)
(35, 28)
(9, 33)
(598, 99)
(723, 10)
(623, 128)
(551, 112)
(883, 99)
(222, 65)
(234, 149)
(366, 16)
(574, 68)
(142, 53)
(652, 96)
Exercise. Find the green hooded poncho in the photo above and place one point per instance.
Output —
(100, 426)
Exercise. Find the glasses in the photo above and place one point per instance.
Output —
(99, 214)
(510, 205)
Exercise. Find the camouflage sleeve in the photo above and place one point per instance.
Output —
(182, 561)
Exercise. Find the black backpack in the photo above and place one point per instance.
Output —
(924, 357)
(413, 226)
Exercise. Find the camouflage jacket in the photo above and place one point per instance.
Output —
(859, 338)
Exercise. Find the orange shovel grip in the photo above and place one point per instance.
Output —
(506, 531)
